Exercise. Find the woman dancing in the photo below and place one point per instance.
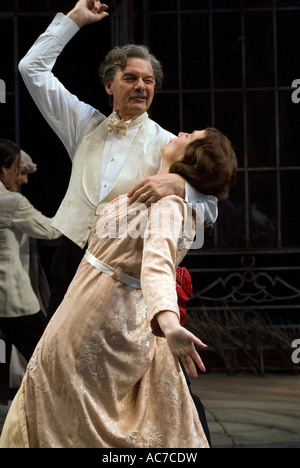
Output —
(106, 373)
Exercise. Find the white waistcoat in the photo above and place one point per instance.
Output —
(76, 213)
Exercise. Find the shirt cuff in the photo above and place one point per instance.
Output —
(63, 28)
(209, 203)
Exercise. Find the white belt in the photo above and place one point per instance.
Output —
(115, 273)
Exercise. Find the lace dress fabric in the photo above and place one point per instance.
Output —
(102, 375)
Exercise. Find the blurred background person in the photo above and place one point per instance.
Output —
(30, 258)
(21, 320)
(29, 250)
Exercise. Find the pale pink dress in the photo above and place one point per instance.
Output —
(102, 376)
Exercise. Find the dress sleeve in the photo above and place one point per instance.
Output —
(158, 272)
(63, 111)
(32, 222)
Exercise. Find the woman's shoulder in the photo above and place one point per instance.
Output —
(10, 198)
(9, 202)
(173, 202)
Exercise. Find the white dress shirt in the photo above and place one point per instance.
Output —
(115, 152)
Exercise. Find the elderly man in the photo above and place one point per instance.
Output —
(109, 155)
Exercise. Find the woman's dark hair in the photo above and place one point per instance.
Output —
(209, 164)
(9, 152)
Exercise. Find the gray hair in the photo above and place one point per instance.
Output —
(117, 58)
(26, 164)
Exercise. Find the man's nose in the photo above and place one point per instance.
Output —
(140, 84)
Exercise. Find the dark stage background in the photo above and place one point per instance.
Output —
(229, 64)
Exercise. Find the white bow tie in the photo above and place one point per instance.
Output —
(119, 125)
(122, 126)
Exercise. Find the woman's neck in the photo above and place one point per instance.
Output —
(164, 167)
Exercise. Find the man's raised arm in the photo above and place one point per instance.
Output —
(63, 111)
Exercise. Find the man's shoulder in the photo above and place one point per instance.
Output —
(96, 119)
(158, 129)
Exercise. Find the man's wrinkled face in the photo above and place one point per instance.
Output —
(132, 89)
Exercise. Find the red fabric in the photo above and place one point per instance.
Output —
(184, 290)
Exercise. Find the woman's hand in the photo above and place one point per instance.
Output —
(181, 343)
(87, 12)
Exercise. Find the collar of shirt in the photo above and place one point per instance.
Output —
(140, 118)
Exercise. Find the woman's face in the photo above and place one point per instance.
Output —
(22, 178)
(9, 176)
(174, 150)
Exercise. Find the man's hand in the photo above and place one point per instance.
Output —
(156, 187)
(87, 12)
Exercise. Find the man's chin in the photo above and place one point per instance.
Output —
(139, 108)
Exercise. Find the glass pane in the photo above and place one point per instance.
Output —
(166, 5)
(196, 111)
(164, 47)
(7, 53)
(7, 119)
(263, 209)
(29, 28)
(287, 3)
(259, 60)
(7, 5)
(227, 50)
(32, 5)
(289, 114)
(258, 3)
(165, 111)
(288, 39)
(289, 213)
(228, 4)
(231, 218)
(261, 130)
(195, 51)
(229, 119)
(194, 4)
(56, 5)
